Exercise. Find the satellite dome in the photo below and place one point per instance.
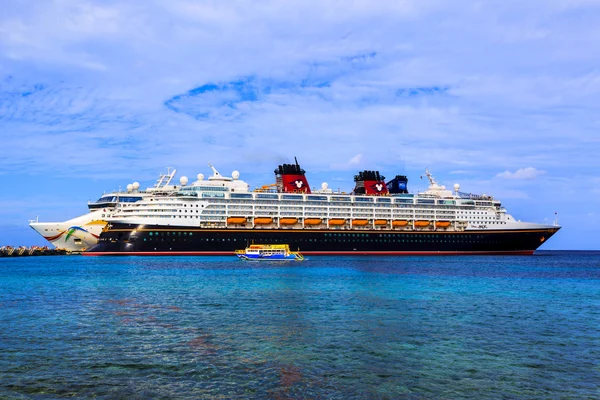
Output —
(235, 174)
(129, 187)
(200, 177)
(324, 185)
(183, 180)
(136, 185)
(456, 187)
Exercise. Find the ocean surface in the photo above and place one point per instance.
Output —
(326, 328)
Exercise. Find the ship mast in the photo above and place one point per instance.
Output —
(215, 172)
(432, 181)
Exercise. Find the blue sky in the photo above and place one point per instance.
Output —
(499, 96)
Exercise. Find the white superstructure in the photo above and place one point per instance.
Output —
(79, 233)
(226, 202)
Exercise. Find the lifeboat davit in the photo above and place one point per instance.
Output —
(442, 224)
(422, 224)
(263, 221)
(399, 223)
(288, 221)
(337, 222)
(236, 220)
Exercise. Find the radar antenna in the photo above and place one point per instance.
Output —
(215, 172)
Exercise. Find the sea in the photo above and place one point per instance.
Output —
(462, 327)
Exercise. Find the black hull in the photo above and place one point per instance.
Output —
(127, 239)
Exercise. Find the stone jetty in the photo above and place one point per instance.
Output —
(21, 251)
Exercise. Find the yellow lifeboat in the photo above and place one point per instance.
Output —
(312, 221)
(263, 221)
(380, 222)
(337, 222)
(359, 222)
(442, 224)
(399, 223)
(422, 224)
(288, 221)
(236, 220)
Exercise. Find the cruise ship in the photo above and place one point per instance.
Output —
(79, 233)
(220, 214)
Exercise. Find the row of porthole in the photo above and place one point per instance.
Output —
(391, 235)
(169, 233)
(344, 235)
(201, 239)
(406, 240)
(338, 240)
(163, 239)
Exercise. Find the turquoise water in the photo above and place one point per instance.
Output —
(334, 328)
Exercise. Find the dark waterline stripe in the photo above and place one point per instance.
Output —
(314, 253)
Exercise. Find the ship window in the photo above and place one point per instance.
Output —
(291, 197)
(266, 196)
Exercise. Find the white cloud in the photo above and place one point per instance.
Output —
(522, 173)
(354, 163)
(356, 159)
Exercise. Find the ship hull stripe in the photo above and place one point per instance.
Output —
(372, 231)
(312, 253)
(131, 239)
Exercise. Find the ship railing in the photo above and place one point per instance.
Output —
(472, 196)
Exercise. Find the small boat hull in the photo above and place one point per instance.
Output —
(312, 221)
(236, 220)
(274, 257)
(359, 222)
(399, 223)
(263, 221)
(269, 252)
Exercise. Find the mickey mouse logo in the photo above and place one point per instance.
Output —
(379, 187)
(299, 184)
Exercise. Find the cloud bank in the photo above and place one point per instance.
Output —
(522, 173)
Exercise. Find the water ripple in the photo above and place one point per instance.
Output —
(346, 328)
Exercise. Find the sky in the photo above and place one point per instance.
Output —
(501, 97)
